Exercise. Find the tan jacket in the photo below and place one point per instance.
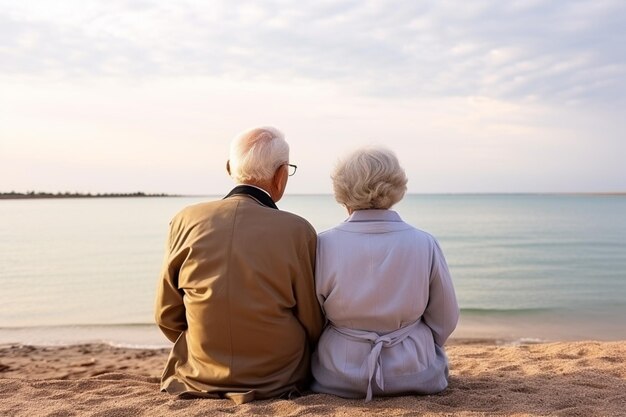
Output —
(237, 298)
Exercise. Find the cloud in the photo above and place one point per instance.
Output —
(565, 52)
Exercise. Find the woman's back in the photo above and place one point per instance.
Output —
(373, 272)
(386, 291)
(384, 287)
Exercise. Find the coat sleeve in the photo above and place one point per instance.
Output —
(169, 310)
(442, 311)
(308, 309)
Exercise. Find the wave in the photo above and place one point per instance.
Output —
(473, 311)
(505, 311)
(80, 326)
(131, 335)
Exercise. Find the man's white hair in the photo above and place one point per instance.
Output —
(256, 154)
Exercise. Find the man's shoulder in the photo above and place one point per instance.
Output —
(295, 221)
(199, 207)
(286, 219)
(196, 212)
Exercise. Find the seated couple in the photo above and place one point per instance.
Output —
(259, 306)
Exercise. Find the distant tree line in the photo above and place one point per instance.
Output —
(38, 194)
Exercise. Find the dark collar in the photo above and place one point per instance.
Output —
(255, 193)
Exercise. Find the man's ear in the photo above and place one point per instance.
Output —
(228, 166)
(279, 177)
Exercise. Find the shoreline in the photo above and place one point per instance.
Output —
(63, 196)
(494, 329)
(66, 195)
(465, 341)
(556, 378)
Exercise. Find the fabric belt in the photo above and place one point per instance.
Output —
(378, 342)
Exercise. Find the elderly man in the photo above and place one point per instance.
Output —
(236, 295)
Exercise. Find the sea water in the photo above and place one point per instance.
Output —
(524, 266)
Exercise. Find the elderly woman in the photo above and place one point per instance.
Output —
(384, 287)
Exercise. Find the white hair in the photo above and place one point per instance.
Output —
(369, 178)
(256, 154)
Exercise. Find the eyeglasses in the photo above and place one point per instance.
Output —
(291, 169)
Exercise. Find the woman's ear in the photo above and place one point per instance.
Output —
(228, 166)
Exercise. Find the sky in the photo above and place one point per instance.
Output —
(473, 96)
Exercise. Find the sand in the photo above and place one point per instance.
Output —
(564, 379)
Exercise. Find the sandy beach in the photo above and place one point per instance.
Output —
(564, 379)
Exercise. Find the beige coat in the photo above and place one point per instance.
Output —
(237, 298)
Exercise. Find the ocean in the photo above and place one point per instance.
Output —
(526, 267)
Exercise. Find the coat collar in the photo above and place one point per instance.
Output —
(373, 221)
(374, 215)
(259, 195)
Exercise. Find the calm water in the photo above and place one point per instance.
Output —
(524, 266)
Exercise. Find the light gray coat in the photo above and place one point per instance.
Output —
(390, 304)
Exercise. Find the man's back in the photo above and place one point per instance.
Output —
(238, 280)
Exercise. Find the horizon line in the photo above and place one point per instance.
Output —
(66, 194)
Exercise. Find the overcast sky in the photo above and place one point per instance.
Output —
(473, 96)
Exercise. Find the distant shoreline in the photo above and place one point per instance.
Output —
(40, 195)
(44, 195)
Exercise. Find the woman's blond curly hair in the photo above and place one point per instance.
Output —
(369, 178)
